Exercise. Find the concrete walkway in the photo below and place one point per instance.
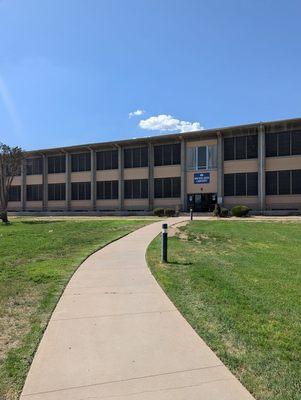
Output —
(115, 335)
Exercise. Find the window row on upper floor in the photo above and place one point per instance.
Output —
(240, 147)
(285, 143)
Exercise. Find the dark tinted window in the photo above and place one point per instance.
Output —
(296, 142)
(56, 164)
(284, 182)
(284, 144)
(252, 183)
(136, 157)
(81, 190)
(57, 191)
(107, 159)
(136, 189)
(81, 162)
(296, 181)
(240, 147)
(271, 144)
(229, 149)
(240, 184)
(271, 182)
(158, 155)
(34, 166)
(229, 184)
(34, 192)
(167, 154)
(107, 190)
(14, 193)
(252, 146)
(167, 187)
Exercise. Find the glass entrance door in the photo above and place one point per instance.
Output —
(201, 201)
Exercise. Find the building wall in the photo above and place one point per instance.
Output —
(187, 176)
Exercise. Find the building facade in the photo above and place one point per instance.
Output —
(258, 165)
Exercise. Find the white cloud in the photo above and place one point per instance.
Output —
(136, 113)
(167, 123)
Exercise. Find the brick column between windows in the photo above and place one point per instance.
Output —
(150, 176)
(120, 178)
(23, 185)
(68, 181)
(93, 179)
(261, 167)
(220, 169)
(45, 182)
(183, 176)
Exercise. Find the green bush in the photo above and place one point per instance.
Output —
(224, 212)
(240, 211)
(169, 212)
(159, 212)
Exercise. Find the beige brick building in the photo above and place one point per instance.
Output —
(258, 165)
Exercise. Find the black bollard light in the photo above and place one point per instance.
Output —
(164, 243)
(191, 214)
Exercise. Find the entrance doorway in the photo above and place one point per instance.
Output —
(201, 202)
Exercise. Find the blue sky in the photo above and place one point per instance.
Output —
(71, 71)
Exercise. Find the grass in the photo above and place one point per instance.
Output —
(37, 259)
(238, 285)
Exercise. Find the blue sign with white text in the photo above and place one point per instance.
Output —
(202, 177)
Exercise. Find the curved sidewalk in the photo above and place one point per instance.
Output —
(115, 335)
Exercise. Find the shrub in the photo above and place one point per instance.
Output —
(240, 211)
(169, 212)
(159, 212)
(217, 210)
(224, 212)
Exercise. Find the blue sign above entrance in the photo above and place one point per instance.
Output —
(202, 177)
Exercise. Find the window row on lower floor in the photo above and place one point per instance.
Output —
(105, 190)
(283, 182)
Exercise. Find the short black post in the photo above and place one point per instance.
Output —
(191, 214)
(164, 243)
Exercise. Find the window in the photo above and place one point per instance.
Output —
(229, 149)
(283, 144)
(80, 162)
(107, 190)
(34, 166)
(283, 182)
(107, 159)
(296, 181)
(271, 181)
(136, 189)
(229, 184)
(241, 184)
(14, 193)
(57, 191)
(241, 147)
(56, 164)
(271, 144)
(296, 142)
(167, 187)
(202, 157)
(34, 192)
(167, 154)
(81, 190)
(252, 184)
(136, 157)
(252, 146)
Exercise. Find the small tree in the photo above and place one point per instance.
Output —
(10, 164)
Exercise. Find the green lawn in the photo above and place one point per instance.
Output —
(238, 285)
(37, 259)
